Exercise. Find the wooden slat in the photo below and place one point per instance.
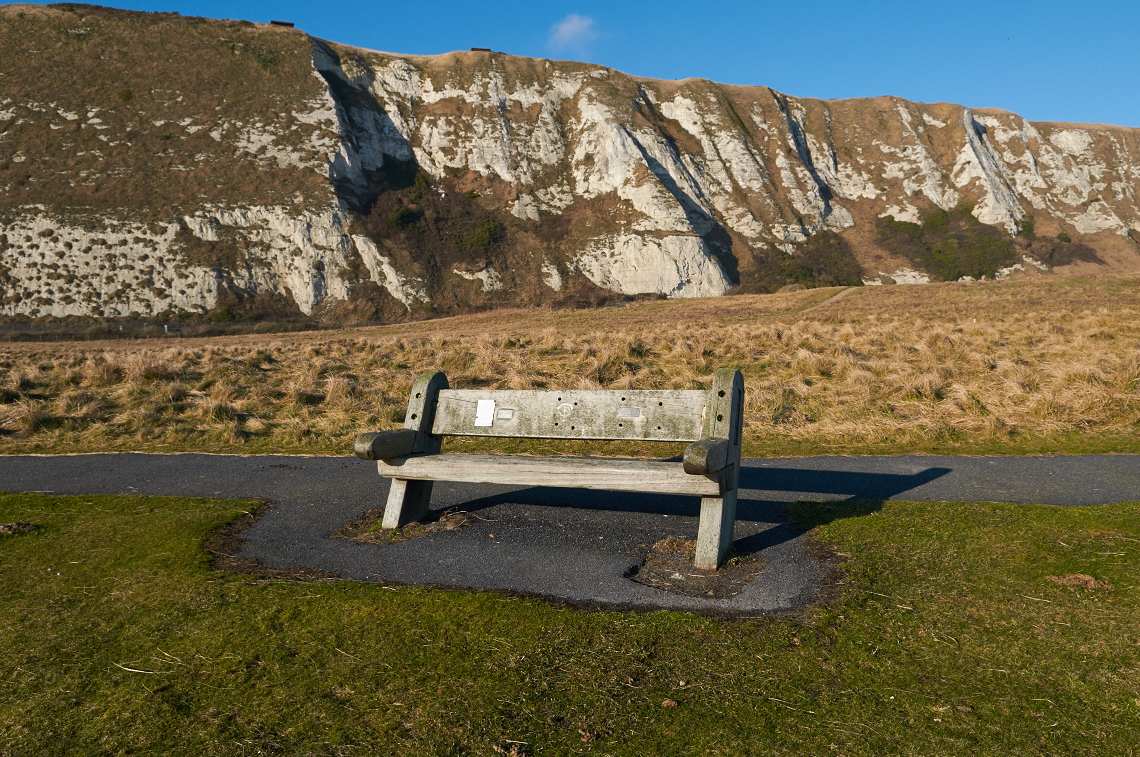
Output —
(568, 472)
(644, 415)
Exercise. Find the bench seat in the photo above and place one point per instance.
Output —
(566, 472)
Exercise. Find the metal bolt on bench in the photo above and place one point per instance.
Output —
(712, 421)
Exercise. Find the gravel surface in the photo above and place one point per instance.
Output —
(573, 545)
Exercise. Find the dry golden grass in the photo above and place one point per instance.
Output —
(1028, 366)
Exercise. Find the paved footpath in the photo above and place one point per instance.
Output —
(574, 545)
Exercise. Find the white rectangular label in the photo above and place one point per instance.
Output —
(485, 413)
(629, 412)
(504, 414)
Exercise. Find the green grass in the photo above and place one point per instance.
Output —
(945, 638)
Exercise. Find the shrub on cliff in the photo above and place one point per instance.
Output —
(949, 245)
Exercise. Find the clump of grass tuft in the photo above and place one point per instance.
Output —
(145, 368)
(21, 380)
(103, 372)
(216, 412)
(27, 417)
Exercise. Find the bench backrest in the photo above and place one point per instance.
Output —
(646, 415)
(665, 415)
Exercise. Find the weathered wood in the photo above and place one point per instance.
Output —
(408, 500)
(378, 445)
(422, 407)
(715, 530)
(568, 472)
(643, 415)
(725, 420)
(706, 455)
(713, 421)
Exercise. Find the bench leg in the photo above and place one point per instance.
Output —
(407, 502)
(715, 533)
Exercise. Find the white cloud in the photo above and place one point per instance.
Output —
(571, 33)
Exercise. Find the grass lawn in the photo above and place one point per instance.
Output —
(945, 638)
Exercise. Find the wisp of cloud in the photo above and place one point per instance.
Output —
(572, 32)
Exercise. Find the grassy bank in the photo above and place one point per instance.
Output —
(1035, 366)
(947, 637)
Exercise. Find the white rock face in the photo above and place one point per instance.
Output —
(907, 213)
(1098, 217)
(675, 266)
(916, 167)
(526, 207)
(679, 167)
(60, 269)
(1004, 273)
(488, 278)
(305, 255)
(907, 276)
(366, 134)
(978, 162)
(551, 276)
(380, 268)
(126, 268)
(488, 142)
(1058, 171)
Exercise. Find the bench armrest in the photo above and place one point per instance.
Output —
(707, 455)
(381, 445)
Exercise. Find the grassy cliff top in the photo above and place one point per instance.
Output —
(132, 100)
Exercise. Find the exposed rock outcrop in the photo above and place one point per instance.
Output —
(280, 163)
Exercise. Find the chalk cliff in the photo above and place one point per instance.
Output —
(155, 164)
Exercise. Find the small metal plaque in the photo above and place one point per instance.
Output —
(629, 412)
(504, 414)
(484, 412)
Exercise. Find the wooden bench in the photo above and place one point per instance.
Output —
(711, 421)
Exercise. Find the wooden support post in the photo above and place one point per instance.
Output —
(408, 500)
(724, 419)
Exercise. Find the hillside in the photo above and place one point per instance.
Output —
(156, 165)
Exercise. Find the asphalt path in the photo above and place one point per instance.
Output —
(573, 545)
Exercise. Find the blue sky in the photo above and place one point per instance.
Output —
(1046, 60)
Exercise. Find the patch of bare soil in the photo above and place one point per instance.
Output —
(1082, 580)
(16, 528)
(668, 566)
(367, 530)
(223, 543)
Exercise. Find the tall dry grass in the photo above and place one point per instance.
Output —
(1051, 365)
